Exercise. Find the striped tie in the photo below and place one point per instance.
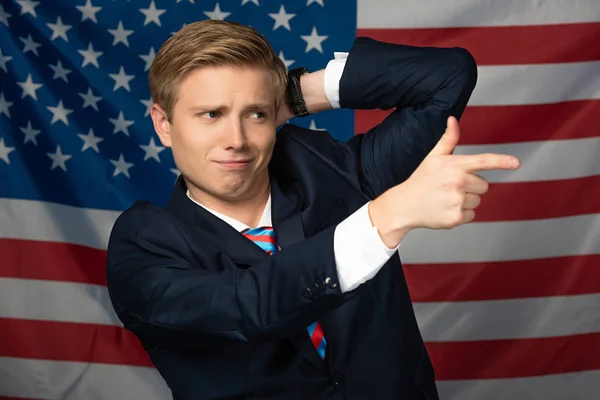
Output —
(264, 237)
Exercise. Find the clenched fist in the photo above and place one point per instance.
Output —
(442, 193)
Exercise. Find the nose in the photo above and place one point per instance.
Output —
(237, 135)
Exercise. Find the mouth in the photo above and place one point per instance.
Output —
(234, 164)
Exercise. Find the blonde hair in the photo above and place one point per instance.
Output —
(210, 43)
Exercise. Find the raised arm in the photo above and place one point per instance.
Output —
(425, 85)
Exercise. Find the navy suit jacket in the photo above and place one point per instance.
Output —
(221, 319)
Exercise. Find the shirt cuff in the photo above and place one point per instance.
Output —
(333, 74)
(358, 249)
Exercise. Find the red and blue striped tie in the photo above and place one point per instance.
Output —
(264, 237)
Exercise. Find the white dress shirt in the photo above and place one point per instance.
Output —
(358, 249)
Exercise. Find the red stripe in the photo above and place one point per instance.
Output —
(493, 45)
(452, 360)
(317, 336)
(16, 398)
(518, 201)
(66, 341)
(512, 124)
(559, 276)
(492, 359)
(260, 238)
(52, 261)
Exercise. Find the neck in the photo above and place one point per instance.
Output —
(247, 210)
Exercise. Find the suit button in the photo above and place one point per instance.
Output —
(308, 294)
(337, 379)
(330, 283)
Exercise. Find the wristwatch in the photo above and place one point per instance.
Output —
(294, 92)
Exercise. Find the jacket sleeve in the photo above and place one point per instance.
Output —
(425, 85)
(165, 295)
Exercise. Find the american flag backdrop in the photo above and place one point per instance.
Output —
(509, 305)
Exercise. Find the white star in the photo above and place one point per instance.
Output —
(59, 159)
(4, 60)
(191, 1)
(89, 99)
(175, 171)
(148, 58)
(313, 126)
(30, 133)
(90, 141)
(121, 124)
(29, 87)
(4, 16)
(60, 113)
(88, 11)
(59, 29)
(148, 103)
(152, 14)
(282, 19)
(313, 41)
(4, 105)
(152, 150)
(90, 56)
(287, 63)
(250, 1)
(309, 2)
(5, 151)
(121, 166)
(121, 80)
(217, 13)
(30, 45)
(28, 7)
(120, 35)
(59, 71)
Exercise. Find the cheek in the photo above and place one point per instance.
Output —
(189, 137)
(190, 145)
(264, 138)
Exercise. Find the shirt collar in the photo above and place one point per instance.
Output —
(265, 219)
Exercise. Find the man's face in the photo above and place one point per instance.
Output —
(222, 132)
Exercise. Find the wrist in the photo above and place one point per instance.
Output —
(391, 228)
(313, 91)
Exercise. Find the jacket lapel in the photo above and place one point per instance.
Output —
(222, 235)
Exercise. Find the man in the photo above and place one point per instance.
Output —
(273, 273)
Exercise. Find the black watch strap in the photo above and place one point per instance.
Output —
(294, 92)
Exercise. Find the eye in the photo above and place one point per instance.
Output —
(211, 114)
(259, 114)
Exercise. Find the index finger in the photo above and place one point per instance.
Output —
(486, 162)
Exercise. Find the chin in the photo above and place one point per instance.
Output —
(235, 190)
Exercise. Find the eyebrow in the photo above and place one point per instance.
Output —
(216, 107)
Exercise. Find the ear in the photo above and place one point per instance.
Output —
(162, 126)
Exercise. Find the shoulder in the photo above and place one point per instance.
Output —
(295, 141)
(143, 218)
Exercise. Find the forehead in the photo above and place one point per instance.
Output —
(226, 84)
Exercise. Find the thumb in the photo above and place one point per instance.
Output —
(449, 140)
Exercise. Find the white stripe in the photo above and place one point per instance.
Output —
(497, 319)
(477, 241)
(573, 386)
(504, 241)
(44, 379)
(536, 84)
(543, 160)
(509, 319)
(37, 220)
(55, 301)
(455, 13)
